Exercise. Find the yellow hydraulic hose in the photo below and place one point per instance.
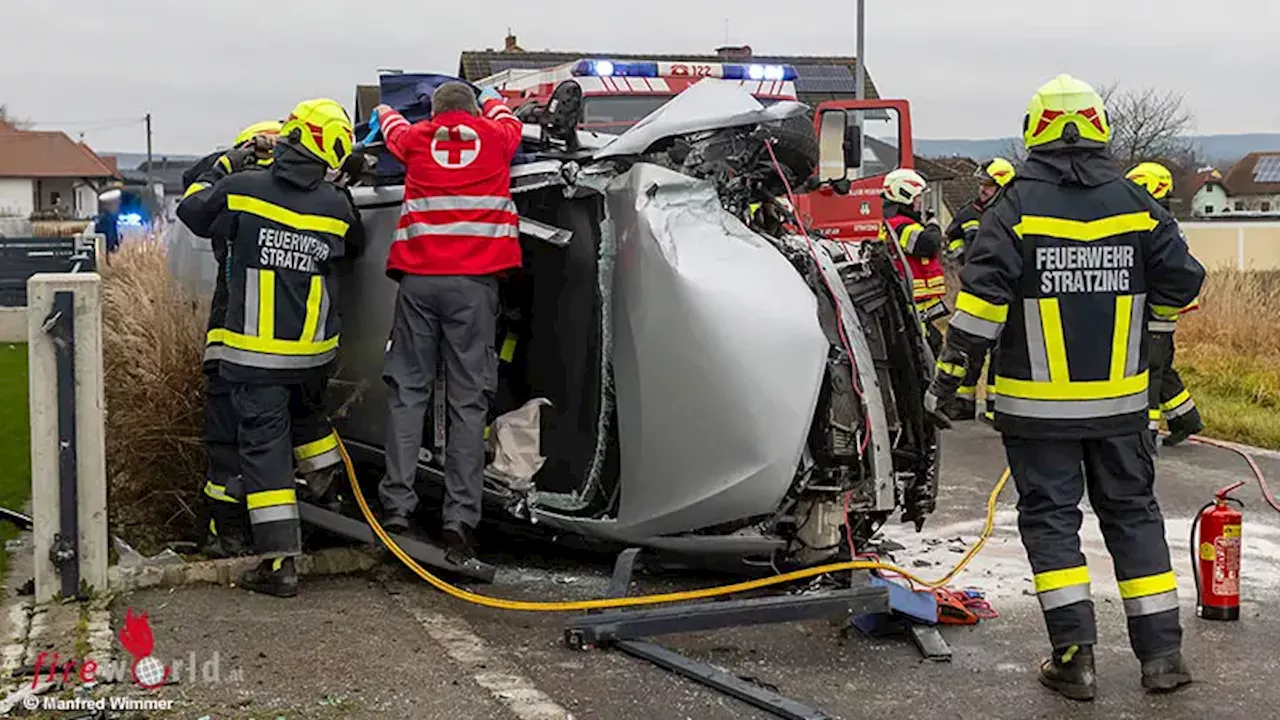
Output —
(660, 598)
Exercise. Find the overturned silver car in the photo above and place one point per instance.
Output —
(700, 378)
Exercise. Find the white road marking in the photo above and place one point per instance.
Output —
(489, 669)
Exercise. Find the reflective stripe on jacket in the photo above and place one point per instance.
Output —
(1063, 271)
(963, 227)
(458, 216)
(285, 227)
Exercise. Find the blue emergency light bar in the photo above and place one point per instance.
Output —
(724, 71)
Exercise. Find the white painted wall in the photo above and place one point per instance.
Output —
(1256, 204)
(17, 197)
(1209, 201)
(86, 201)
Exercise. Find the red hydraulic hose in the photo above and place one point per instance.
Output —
(1253, 465)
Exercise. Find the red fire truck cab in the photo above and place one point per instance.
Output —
(870, 137)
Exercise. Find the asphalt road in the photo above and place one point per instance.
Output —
(395, 648)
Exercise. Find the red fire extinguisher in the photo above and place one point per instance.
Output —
(1215, 557)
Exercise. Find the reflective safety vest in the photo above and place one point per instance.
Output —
(928, 280)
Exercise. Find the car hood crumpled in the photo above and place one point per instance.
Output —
(706, 105)
(718, 358)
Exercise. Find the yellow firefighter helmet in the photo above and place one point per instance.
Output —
(1068, 113)
(1154, 178)
(322, 128)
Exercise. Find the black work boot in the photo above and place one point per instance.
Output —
(320, 486)
(1165, 674)
(1070, 673)
(277, 577)
(226, 541)
(961, 410)
(459, 544)
(395, 523)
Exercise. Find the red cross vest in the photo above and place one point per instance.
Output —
(458, 217)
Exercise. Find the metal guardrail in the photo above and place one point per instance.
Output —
(20, 258)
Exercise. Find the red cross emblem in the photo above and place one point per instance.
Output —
(455, 147)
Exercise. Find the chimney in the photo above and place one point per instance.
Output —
(734, 53)
(511, 45)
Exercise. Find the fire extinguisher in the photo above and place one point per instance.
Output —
(1215, 557)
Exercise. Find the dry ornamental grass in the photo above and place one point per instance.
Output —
(153, 340)
(1227, 355)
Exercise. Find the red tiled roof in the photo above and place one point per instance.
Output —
(45, 154)
(1187, 183)
(1239, 180)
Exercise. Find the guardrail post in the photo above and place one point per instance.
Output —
(68, 454)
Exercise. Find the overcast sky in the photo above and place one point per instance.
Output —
(206, 69)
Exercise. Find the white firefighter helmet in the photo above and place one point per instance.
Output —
(903, 186)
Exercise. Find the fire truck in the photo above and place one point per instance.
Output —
(840, 203)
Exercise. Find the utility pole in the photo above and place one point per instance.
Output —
(151, 190)
(861, 67)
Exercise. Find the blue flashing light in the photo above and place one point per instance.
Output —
(130, 219)
(729, 71)
(767, 73)
(610, 68)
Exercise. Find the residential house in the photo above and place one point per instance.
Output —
(961, 188)
(46, 173)
(1254, 184)
(1200, 194)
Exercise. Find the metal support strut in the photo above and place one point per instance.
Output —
(624, 629)
(64, 554)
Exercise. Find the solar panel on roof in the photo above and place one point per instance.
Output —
(825, 79)
(1267, 170)
(497, 66)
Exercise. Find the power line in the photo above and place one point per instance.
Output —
(115, 122)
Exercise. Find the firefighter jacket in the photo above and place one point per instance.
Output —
(964, 227)
(1064, 270)
(286, 227)
(458, 216)
(920, 243)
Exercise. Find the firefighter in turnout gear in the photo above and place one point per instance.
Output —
(1169, 397)
(921, 242)
(315, 444)
(993, 175)
(1063, 270)
(285, 229)
(227, 523)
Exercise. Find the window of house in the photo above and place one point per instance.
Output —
(55, 197)
(1240, 206)
(1266, 206)
(1208, 209)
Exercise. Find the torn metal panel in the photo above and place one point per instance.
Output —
(881, 459)
(544, 232)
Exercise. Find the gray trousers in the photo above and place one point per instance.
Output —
(454, 317)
